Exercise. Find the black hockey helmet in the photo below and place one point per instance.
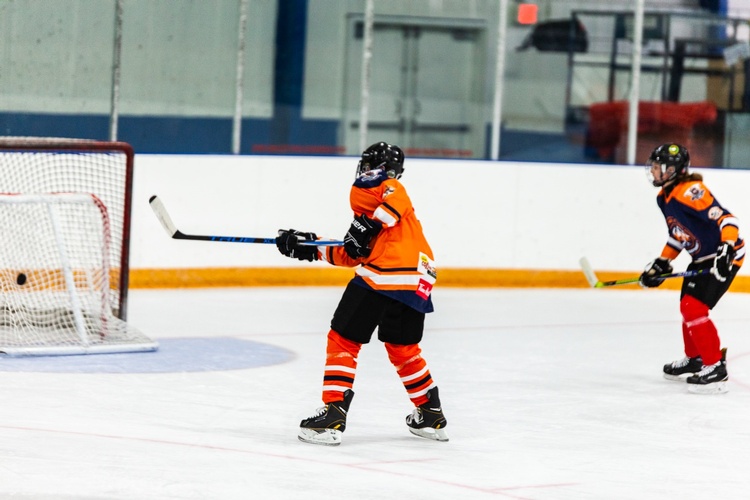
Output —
(382, 155)
(669, 155)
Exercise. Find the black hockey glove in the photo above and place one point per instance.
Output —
(654, 268)
(723, 262)
(361, 232)
(288, 244)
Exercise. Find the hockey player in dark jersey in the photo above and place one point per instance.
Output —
(390, 292)
(700, 225)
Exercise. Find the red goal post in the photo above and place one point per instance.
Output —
(39, 165)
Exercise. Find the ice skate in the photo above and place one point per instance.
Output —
(712, 379)
(682, 368)
(327, 424)
(427, 420)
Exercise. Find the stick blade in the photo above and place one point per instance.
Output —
(588, 271)
(161, 213)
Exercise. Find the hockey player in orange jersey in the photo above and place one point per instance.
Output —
(700, 225)
(391, 291)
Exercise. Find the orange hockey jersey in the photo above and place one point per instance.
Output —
(401, 264)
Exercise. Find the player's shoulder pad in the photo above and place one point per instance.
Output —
(371, 179)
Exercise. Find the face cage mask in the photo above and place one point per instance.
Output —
(391, 173)
(664, 169)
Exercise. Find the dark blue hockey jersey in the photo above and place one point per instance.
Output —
(697, 222)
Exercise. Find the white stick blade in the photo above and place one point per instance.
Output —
(161, 213)
(588, 271)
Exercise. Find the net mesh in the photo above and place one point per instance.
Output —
(54, 278)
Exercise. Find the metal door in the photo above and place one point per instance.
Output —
(426, 88)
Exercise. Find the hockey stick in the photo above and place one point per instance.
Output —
(588, 271)
(166, 221)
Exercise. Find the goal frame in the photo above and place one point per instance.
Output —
(53, 144)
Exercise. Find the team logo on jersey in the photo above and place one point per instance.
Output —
(695, 192)
(714, 213)
(424, 289)
(427, 266)
(683, 235)
(389, 190)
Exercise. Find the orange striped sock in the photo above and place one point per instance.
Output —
(341, 367)
(412, 368)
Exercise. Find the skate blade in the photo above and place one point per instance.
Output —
(430, 433)
(326, 437)
(715, 388)
(678, 378)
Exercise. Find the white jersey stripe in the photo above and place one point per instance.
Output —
(730, 221)
(394, 279)
(384, 217)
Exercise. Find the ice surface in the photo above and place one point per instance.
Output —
(549, 394)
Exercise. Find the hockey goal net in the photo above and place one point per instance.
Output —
(64, 226)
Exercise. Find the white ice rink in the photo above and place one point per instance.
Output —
(549, 394)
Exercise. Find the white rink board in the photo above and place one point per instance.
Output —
(476, 214)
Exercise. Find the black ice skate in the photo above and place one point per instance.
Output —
(712, 379)
(427, 420)
(682, 368)
(328, 423)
